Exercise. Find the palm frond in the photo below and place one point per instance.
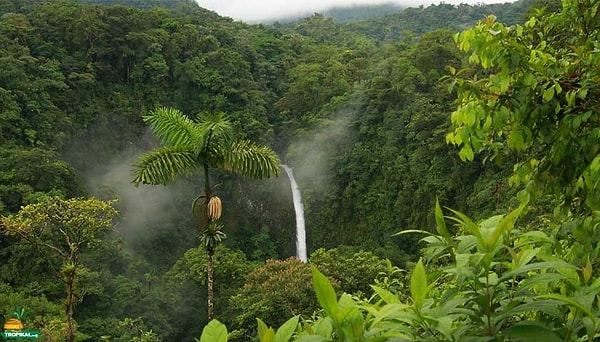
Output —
(215, 126)
(164, 164)
(248, 159)
(173, 128)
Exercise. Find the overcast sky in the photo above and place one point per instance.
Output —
(264, 10)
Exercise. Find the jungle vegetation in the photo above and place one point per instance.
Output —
(449, 171)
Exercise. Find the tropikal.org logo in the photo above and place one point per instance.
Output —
(14, 328)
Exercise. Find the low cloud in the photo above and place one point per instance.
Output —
(265, 10)
(144, 208)
(310, 155)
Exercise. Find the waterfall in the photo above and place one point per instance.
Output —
(299, 209)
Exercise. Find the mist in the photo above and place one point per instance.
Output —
(146, 211)
(266, 10)
(311, 154)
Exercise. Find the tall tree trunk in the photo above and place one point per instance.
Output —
(70, 302)
(210, 249)
(209, 282)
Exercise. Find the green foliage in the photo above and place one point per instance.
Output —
(418, 285)
(283, 334)
(28, 175)
(214, 331)
(59, 230)
(325, 293)
(187, 281)
(352, 270)
(139, 334)
(495, 281)
(61, 227)
(231, 267)
(389, 133)
(262, 295)
(77, 80)
(145, 4)
(419, 20)
(44, 315)
(532, 104)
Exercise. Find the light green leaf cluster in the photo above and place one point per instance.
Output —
(532, 99)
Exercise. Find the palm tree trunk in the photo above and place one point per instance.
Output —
(207, 190)
(211, 252)
(209, 283)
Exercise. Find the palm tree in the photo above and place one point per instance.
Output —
(189, 147)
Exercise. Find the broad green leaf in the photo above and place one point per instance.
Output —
(519, 30)
(466, 243)
(548, 94)
(504, 83)
(524, 257)
(557, 88)
(547, 306)
(444, 326)
(385, 295)
(467, 224)
(285, 332)
(265, 334)
(488, 225)
(541, 279)
(466, 153)
(418, 285)
(587, 272)
(524, 196)
(324, 327)
(471, 118)
(504, 227)
(325, 293)
(532, 332)
(440, 224)
(572, 302)
(261, 327)
(214, 331)
(346, 301)
(313, 338)
(524, 269)
(516, 140)
(352, 323)
(387, 311)
(589, 328)
(537, 236)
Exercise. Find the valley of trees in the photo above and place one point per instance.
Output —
(448, 159)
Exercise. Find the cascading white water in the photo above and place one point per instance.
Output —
(299, 209)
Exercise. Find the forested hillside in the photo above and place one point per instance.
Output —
(379, 119)
(441, 16)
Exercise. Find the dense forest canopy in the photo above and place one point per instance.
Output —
(376, 117)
